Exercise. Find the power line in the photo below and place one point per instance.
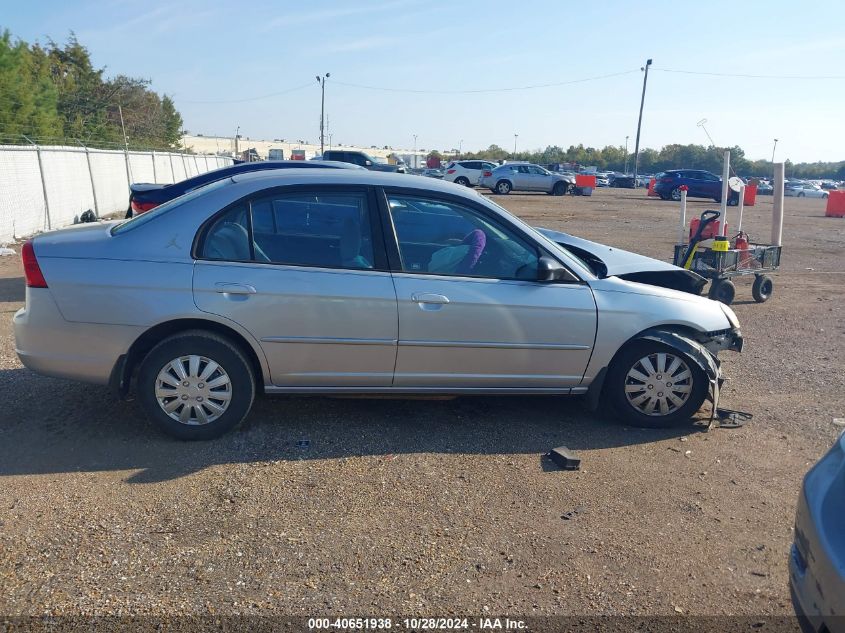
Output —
(245, 99)
(750, 76)
(483, 90)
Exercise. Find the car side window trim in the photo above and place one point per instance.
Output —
(392, 240)
(380, 258)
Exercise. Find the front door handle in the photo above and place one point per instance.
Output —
(428, 297)
(228, 288)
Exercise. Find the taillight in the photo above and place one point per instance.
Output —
(450, 171)
(141, 207)
(31, 269)
(666, 179)
(486, 174)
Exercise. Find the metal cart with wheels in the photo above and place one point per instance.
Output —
(721, 266)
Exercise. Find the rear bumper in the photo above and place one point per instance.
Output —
(48, 344)
(816, 572)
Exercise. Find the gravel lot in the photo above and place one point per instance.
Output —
(436, 507)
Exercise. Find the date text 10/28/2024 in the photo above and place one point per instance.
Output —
(416, 624)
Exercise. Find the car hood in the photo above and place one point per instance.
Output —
(607, 261)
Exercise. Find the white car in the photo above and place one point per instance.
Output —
(805, 190)
(467, 172)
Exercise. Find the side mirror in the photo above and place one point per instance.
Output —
(549, 269)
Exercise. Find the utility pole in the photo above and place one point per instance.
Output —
(626, 155)
(322, 82)
(461, 147)
(237, 136)
(416, 160)
(515, 136)
(640, 123)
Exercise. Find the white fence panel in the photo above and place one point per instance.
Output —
(22, 208)
(141, 167)
(67, 183)
(178, 162)
(164, 174)
(71, 187)
(110, 182)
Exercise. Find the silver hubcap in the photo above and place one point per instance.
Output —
(193, 390)
(658, 384)
(676, 194)
(503, 188)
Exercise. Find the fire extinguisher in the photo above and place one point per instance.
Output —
(741, 244)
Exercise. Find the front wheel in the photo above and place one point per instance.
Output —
(560, 189)
(196, 385)
(653, 385)
(676, 194)
(503, 187)
(722, 290)
(762, 288)
(462, 181)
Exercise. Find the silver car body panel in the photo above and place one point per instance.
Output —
(330, 330)
(817, 557)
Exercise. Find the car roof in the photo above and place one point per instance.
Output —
(284, 177)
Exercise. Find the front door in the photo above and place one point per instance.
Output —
(471, 313)
(302, 272)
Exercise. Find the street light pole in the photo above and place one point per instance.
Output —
(237, 135)
(461, 147)
(322, 82)
(626, 155)
(416, 160)
(640, 122)
(515, 136)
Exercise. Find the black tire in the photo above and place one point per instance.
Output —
(801, 194)
(618, 381)
(460, 180)
(722, 290)
(560, 189)
(503, 187)
(762, 288)
(676, 194)
(232, 362)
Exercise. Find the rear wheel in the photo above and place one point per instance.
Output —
(460, 180)
(800, 194)
(762, 288)
(503, 187)
(722, 290)
(196, 385)
(654, 385)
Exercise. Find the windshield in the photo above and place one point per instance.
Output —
(140, 220)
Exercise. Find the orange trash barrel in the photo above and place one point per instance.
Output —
(585, 180)
(750, 197)
(835, 204)
(651, 188)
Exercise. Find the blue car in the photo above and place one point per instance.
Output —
(146, 196)
(817, 559)
(700, 184)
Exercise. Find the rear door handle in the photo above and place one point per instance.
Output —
(225, 287)
(428, 297)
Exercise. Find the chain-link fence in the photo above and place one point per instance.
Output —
(49, 186)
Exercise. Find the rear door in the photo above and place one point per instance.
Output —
(304, 270)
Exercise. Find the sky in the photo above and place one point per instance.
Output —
(454, 73)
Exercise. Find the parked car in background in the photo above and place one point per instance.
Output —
(817, 557)
(361, 159)
(828, 185)
(602, 179)
(467, 172)
(765, 189)
(433, 173)
(294, 281)
(700, 184)
(146, 196)
(805, 190)
(518, 176)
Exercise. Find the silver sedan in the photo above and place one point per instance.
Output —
(526, 177)
(351, 282)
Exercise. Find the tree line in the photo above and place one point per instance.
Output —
(675, 156)
(52, 91)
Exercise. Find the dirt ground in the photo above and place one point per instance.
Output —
(436, 507)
